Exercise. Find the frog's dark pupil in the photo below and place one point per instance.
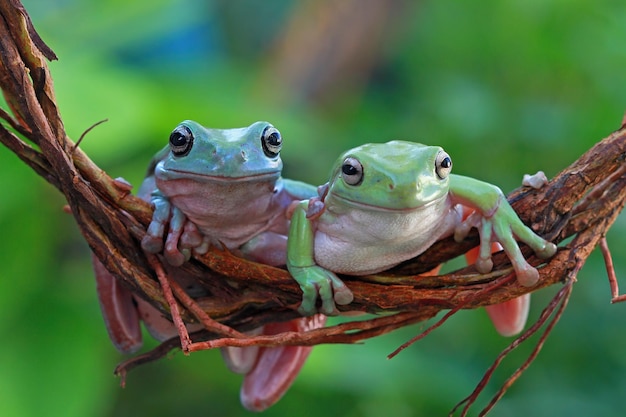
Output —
(181, 141)
(271, 142)
(178, 139)
(446, 163)
(349, 169)
(274, 139)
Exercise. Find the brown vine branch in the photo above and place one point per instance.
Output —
(580, 204)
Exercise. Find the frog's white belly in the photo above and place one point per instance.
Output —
(361, 242)
(228, 213)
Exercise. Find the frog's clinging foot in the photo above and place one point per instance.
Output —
(152, 242)
(318, 282)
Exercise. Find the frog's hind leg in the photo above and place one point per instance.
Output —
(509, 317)
(277, 367)
(241, 360)
(118, 310)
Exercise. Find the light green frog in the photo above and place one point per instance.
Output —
(387, 203)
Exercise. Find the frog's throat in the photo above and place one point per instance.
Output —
(173, 174)
(370, 207)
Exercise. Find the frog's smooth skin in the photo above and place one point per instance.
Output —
(226, 183)
(388, 202)
(216, 187)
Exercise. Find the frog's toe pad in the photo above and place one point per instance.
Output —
(203, 248)
(175, 257)
(306, 311)
(343, 296)
(190, 240)
(152, 244)
(327, 309)
(484, 266)
(547, 251)
(527, 276)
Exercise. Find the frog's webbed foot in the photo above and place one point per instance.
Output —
(504, 227)
(316, 281)
(189, 240)
(182, 235)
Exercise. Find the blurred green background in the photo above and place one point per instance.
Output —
(507, 87)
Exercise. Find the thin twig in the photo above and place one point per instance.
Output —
(208, 323)
(563, 296)
(82, 136)
(545, 314)
(185, 341)
(449, 314)
(610, 271)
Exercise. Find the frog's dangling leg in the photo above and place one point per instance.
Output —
(241, 360)
(118, 310)
(509, 317)
(159, 327)
(277, 367)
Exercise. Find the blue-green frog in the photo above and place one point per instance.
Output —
(388, 202)
(216, 187)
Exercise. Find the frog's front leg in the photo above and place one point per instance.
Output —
(503, 228)
(496, 221)
(267, 248)
(313, 280)
(182, 235)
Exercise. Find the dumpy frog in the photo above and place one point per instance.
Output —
(216, 187)
(386, 203)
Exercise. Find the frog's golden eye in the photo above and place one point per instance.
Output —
(443, 165)
(352, 171)
(181, 141)
(271, 141)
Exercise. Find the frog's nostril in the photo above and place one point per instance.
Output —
(244, 156)
(418, 186)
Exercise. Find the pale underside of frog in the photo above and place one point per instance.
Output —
(386, 203)
(216, 187)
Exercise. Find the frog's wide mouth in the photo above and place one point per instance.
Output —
(174, 174)
(372, 207)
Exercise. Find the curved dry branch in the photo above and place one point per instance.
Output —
(580, 203)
